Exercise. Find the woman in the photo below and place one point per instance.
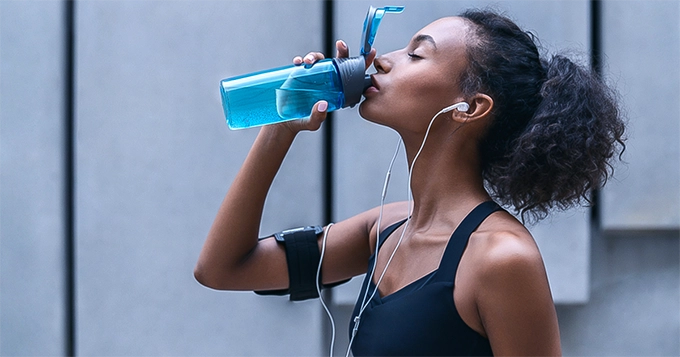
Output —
(533, 135)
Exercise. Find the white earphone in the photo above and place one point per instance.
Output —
(460, 106)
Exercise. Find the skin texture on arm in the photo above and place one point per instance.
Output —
(232, 257)
(513, 298)
(233, 237)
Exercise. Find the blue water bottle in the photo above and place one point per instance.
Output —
(286, 93)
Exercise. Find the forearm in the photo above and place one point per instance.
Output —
(234, 233)
(232, 240)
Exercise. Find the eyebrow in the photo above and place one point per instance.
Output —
(428, 38)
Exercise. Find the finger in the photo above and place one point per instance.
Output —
(342, 49)
(297, 60)
(313, 57)
(370, 57)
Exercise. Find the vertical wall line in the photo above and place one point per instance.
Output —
(596, 66)
(596, 35)
(328, 137)
(595, 209)
(69, 180)
(328, 151)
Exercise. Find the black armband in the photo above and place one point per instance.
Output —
(302, 256)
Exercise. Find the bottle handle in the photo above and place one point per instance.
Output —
(371, 23)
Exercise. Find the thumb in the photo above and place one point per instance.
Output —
(318, 114)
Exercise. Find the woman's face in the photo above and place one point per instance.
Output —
(420, 79)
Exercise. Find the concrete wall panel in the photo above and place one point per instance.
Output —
(32, 204)
(154, 160)
(643, 63)
(634, 308)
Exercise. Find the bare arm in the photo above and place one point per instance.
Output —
(233, 237)
(232, 257)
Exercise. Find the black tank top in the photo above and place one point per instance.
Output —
(421, 319)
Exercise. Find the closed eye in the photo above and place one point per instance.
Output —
(414, 56)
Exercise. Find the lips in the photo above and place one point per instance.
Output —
(374, 88)
(375, 82)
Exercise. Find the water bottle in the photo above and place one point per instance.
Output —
(287, 93)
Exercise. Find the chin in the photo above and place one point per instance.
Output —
(368, 110)
(362, 110)
(372, 113)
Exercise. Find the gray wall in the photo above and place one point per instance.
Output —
(634, 308)
(643, 61)
(32, 275)
(154, 159)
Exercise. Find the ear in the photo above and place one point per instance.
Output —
(480, 108)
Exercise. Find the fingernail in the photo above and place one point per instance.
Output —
(322, 106)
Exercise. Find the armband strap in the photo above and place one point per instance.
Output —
(302, 256)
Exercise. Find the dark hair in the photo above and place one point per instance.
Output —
(555, 125)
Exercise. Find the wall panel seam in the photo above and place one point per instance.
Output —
(69, 179)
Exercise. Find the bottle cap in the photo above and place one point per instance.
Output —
(353, 69)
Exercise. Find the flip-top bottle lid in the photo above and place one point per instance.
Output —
(373, 18)
(352, 70)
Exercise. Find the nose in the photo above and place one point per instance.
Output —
(381, 64)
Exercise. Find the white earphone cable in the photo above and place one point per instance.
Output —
(364, 302)
(318, 288)
(377, 240)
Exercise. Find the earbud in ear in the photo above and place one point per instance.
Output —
(460, 106)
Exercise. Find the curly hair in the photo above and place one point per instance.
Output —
(555, 125)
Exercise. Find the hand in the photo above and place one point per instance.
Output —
(318, 114)
(342, 52)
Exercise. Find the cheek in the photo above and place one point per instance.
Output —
(395, 110)
(408, 99)
(422, 98)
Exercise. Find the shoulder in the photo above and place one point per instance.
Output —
(368, 220)
(506, 249)
(511, 256)
(363, 227)
(500, 261)
(512, 292)
(391, 213)
(507, 263)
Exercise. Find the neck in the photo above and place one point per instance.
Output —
(446, 179)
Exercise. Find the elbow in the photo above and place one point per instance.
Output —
(214, 278)
(203, 277)
(199, 275)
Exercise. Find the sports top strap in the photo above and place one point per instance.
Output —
(459, 239)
